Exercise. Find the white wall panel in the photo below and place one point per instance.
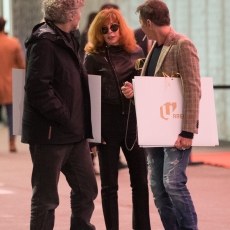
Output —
(206, 23)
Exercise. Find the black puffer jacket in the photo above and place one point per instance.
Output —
(115, 65)
(57, 100)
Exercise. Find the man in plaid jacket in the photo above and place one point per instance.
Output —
(175, 55)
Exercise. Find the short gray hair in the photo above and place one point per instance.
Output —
(59, 11)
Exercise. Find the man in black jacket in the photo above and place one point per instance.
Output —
(56, 118)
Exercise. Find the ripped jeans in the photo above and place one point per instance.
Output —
(167, 167)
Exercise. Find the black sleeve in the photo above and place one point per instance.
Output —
(186, 134)
(90, 64)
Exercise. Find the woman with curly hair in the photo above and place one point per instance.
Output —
(112, 53)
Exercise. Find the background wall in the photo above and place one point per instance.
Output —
(205, 22)
(1, 11)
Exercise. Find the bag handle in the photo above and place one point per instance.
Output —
(173, 76)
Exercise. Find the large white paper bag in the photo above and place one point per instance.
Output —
(159, 106)
(95, 97)
(18, 98)
(207, 117)
(18, 82)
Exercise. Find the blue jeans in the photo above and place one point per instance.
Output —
(9, 111)
(75, 162)
(168, 180)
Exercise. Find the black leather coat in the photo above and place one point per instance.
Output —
(115, 65)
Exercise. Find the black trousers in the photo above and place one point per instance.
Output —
(114, 134)
(74, 161)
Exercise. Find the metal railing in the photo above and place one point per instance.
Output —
(221, 86)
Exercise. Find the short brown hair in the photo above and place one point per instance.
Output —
(96, 39)
(2, 23)
(109, 6)
(156, 11)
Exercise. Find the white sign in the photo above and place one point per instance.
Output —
(95, 97)
(159, 106)
(18, 100)
(18, 82)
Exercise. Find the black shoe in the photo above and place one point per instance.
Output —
(122, 165)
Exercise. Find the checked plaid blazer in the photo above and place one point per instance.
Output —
(179, 55)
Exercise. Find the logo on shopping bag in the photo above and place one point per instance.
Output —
(167, 111)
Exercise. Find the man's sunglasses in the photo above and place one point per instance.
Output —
(113, 27)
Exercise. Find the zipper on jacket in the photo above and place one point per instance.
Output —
(115, 75)
(50, 132)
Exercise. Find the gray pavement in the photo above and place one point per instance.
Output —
(209, 187)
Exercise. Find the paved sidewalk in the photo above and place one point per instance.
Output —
(209, 187)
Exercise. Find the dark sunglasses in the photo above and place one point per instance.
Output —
(113, 27)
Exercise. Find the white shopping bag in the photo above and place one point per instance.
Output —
(95, 98)
(159, 106)
(18, 98)
(18, 82)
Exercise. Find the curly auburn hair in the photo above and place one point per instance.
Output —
(95, 38)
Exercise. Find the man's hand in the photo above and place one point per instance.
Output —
(94, 151)
(127, 90)
(183, 143)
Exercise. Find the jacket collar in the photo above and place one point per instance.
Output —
(48, 30)
(166, 47)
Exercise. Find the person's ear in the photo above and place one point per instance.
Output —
(148, 22)
(71, 16)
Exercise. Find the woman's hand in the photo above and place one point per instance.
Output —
(127, 90)
(94, 151)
